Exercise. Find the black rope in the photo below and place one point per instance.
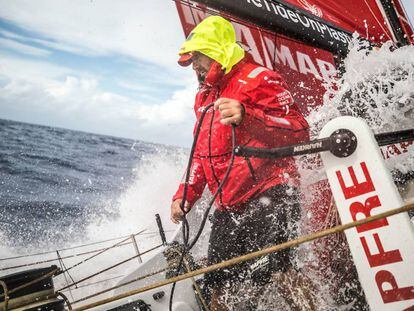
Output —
(185, 226)
(188, 246)
(68, 304)
(210, 134)
(223, 182)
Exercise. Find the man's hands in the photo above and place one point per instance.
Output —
(231, 111)
(176, 212)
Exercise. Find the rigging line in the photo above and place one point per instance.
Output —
(54, 259)
(187, 248)
(223, 182)
(120, 285)
(78, 246)
(192, 14)
(64, 257)
(62, 266)
(99, 253)
(185, 225)
(231, 262)
(274, 52)
(405, 18)
(109, 268)
(94, 283)
(210, 159)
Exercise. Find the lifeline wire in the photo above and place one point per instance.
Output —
(74, 247)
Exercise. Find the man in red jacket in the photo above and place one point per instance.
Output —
(258, 205)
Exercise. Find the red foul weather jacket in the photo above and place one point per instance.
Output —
(271, 120)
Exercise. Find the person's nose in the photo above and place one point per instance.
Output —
(195, 65)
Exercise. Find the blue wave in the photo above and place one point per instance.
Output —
(52, 180)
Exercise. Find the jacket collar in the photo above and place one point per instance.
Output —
(216, 76)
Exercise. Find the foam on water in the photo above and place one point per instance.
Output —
(155, 182)
(377, 85)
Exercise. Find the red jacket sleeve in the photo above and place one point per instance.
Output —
(196, 183)
(271, 115)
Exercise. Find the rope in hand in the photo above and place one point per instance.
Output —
(185, 225)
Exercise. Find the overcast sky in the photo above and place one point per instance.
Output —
(102, 66)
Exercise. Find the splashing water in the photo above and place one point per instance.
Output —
(377, 85)
(155, 181)
(149, 192)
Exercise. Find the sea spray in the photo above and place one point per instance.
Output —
(376, 85)
(154, 183)
(150, 192)
(69, 190)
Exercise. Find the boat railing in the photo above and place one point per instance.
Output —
(127, 240)
(69, 283)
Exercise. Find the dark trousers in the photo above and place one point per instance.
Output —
(268, 219)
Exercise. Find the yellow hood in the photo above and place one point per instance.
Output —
(215, 37)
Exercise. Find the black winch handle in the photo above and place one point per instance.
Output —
(341, 143)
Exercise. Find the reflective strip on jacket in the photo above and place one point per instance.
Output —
(271, 120)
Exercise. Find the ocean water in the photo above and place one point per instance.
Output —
(70, 194)
(59, 187)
